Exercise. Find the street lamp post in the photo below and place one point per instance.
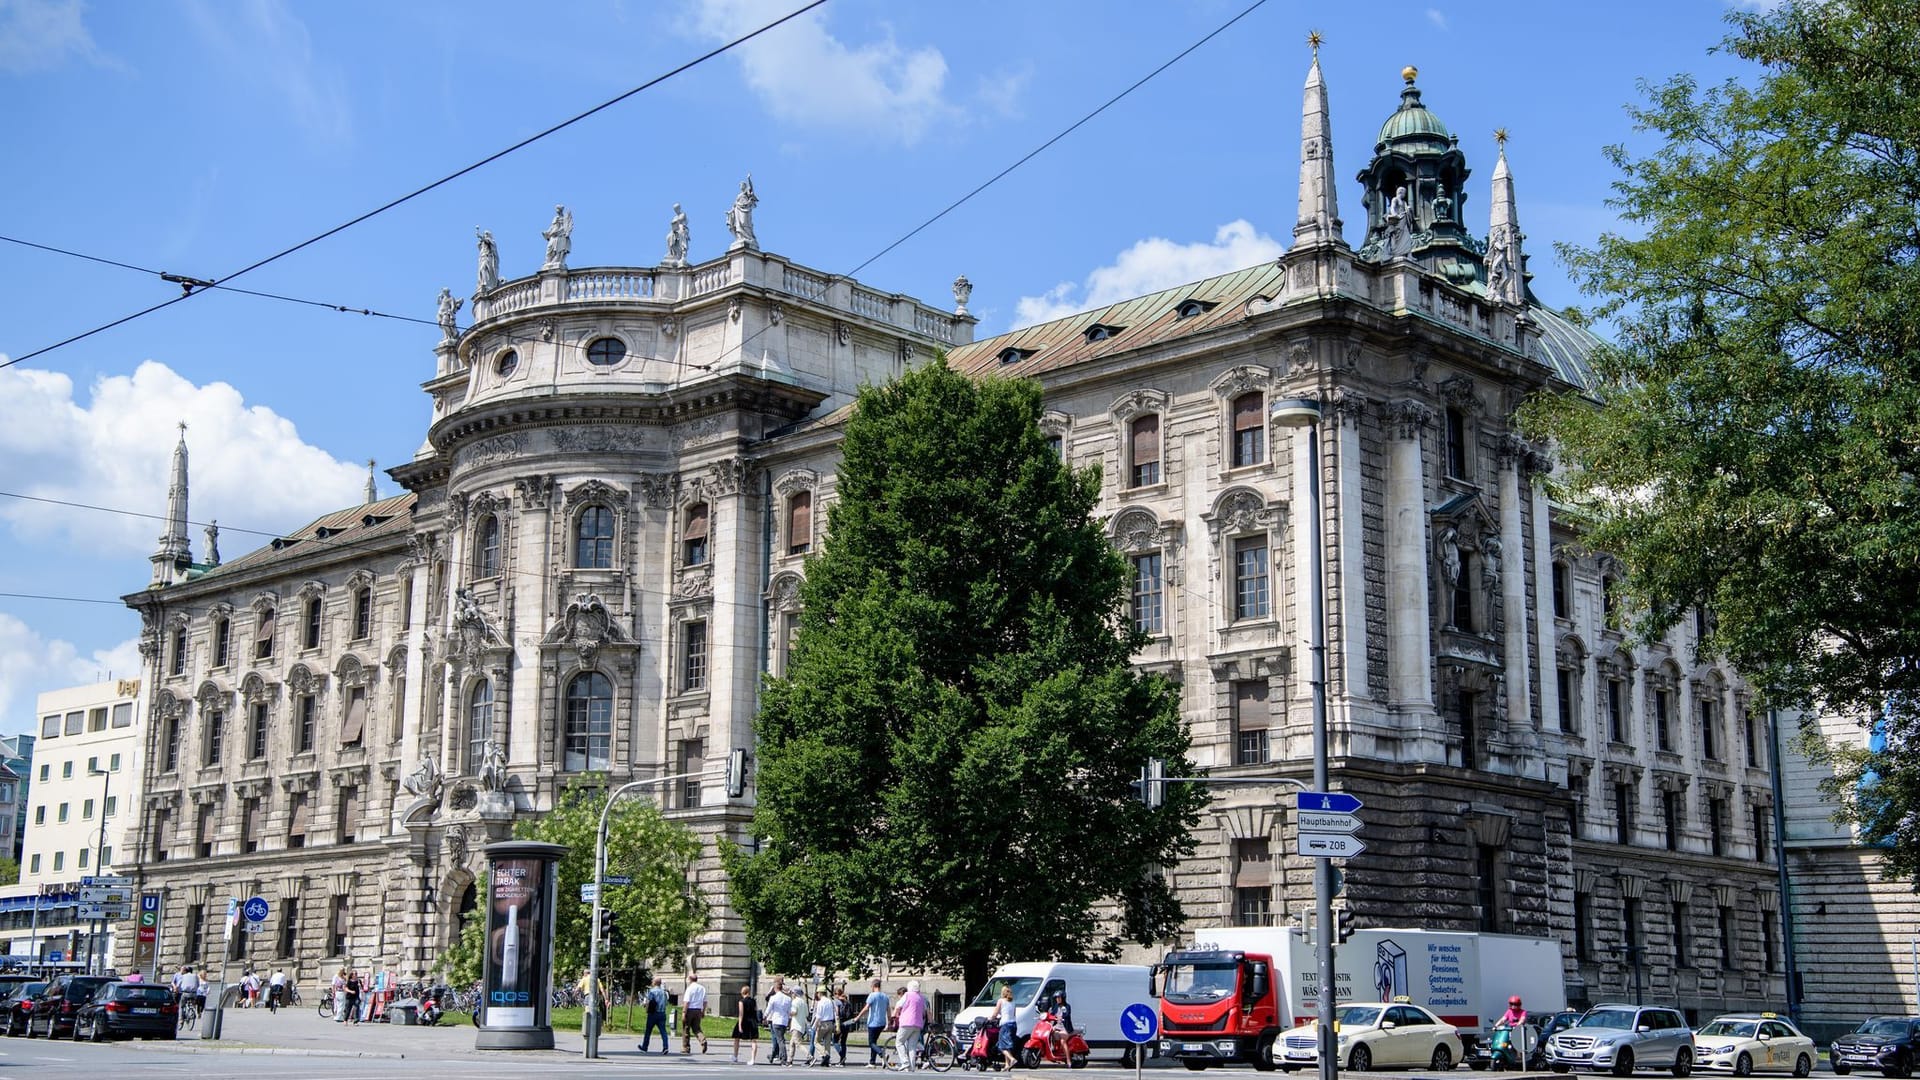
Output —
(1296, 414)
(99, 853)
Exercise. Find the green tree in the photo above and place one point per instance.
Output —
(9, 870)
(944, 771)
(655, 919)
(1757, 441)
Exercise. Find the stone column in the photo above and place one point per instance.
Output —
(532, 604)
(1351, 555)
(1303, 490)
(1410, 645)
(1513, 597)
(1540, 542)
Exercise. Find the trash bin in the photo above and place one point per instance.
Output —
(404, 1012)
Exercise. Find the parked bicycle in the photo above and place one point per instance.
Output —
(938, 1052)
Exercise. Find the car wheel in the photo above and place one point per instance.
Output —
(1561, 1069)
(6, 1026)
(1196, 1066)
(1362, 1059)
(1841, 1068)
(1623, 1063)
(1442, 1060)
(1900, 1066)
(29, 1027)
(76, 1030)
(1803, 1065)
(1683, 1062)
(1263, 1055)
(1743, 1065)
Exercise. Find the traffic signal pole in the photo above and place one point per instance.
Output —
(735, 775)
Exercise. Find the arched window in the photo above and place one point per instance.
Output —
(593, 538)
(695, 542)
(1144, 450)
(800, 523)
(486, 549)
(479, 723)
(1249, 429)
(589, 722)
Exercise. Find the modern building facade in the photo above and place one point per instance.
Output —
(599, 552)
(16, 779)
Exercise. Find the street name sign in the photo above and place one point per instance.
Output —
(617, 879)
(1329, 845)
(99, 894)
(108, 912)
(1320, 821)
(1334, 802)
(116, 881)
(588, 890)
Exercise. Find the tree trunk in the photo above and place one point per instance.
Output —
(975, 966)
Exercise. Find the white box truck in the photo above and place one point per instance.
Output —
(1229, 996)
(1096, 992)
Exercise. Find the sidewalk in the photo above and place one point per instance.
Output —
(301, 1030)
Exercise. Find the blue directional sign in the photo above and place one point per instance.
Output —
(256, 909)
(1139, 1023)
(150, 901)
(1338, 802)
(617, 879)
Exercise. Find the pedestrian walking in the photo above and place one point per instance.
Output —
(843, 1017)
(746, 1027)
(913, 1024)
(874, 1012)
(354, 990)
(1006, 1017)
(801, 1028)
(779, 1016)
(250, 990)
(826, 1027)
(656, 997)
(693, 1015)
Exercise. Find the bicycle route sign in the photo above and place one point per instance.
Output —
(1139, 1023)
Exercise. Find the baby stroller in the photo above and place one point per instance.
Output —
(982, 1053)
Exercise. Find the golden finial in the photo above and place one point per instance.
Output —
(1409, 73)
(1500, 136)
(1314, 39)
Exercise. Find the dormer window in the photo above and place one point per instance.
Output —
(1101, 332)
(1192, 308)
(1011, 355)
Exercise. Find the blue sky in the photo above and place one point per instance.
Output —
(197, 136)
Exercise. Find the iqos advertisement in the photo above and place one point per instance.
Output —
(517, 969)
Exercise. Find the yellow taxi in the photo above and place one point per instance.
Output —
(1376, 1035)
(1747, 1043)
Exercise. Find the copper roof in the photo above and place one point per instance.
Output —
(352, 529)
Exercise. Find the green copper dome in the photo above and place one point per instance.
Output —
(1412, 120)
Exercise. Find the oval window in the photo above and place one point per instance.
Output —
(508, 361)
(606, 352)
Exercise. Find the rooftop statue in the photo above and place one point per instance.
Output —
(740, 216)
(449, 307)
(559, 236)
(679, 237)
(489, 263)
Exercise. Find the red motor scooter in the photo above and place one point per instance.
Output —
(1041, 1047)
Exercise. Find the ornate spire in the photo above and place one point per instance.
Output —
(1506, 264)
(373, 492)
(174, 554)
(1318, 221)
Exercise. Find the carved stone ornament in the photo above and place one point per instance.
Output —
(776, 311)
(1346, 406)
(493, 767)
(600, 438)
(211, 698)
(1056, 424)
(495, 448)
(1300, 357)
(656, 489)
(168, 707)
(457, 839)
(1406, 418)
(464, 797)
(1240, 511)
(472, 633)
(842, 331)
(535, 492)
(1457, 391)
(699, 432)
(795, 481)
(668, 327)
(1137, 403)
(587, 626)
(422, 548)
(726, 477)
(1239, 380)
(1137, 530)
(302, 681)
(733, 309)
(256, 689)
(695, 583)
(425, 779)
(596, 491)
(784, 595)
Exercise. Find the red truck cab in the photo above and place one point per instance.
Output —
(1219, 1008)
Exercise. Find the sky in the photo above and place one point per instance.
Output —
(196, 137)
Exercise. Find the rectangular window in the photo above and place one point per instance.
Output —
(62, 815)
(406, 602)
(66, 770)
(123, 714)
(800, 523)
(33, 864)
(339, 924)
(1487, 861)
(355, 725)
(1249, 430)
(1253, 906)
(1456, 444)
(1670, 806)
(1563, 687)
(289, 925)
(39, 815)
(695, 546)
(157, 844)
(113, 805)
(1147, 610)
(1057, 446)
(1769, 948)
(1630, 920)
(1709, 723)
(97, 719)
(310, 633)
(303, 724)
(1460, 614)
(113, 763)
(1760, 828)
(693, 758)
(196, 915)
(693, 658)
(299, 817)
(1680, 957)
(86, 810)
(44, 767)
(1562, 591)
(349, 819)
(106, 856)
(216, 732)
(1662, 712)
(50, 728)
(1466, 702)
(1251, 721)
(1717, 826)
(1729, 940)
(59, 861)
(1250, 578)
(1617, 710)
(84, 855)
(179, 650)
(250, 825)
(1751, 737)
(76, 722)
(1144, 450)
(1623, 813)
(222, 641)
(362, 614)
(257, 731)
(263, 641)
(203, 827)
(1582, 926)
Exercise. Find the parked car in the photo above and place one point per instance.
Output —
(1888, 1043)
(125, 1009)
(54, 1009)
(1746, 1043)
(1622, 1038)
(1374, 1035)
(18, 1005)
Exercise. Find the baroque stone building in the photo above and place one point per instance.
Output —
(599, 555)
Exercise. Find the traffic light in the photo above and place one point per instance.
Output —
(1342, 924)
(736, 772)
(606, 924)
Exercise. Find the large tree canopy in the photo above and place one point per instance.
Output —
(943, 773)
(1756, 449)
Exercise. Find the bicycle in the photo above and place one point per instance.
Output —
(938, 1052)
(189, 1013)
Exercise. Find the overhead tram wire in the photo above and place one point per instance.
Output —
(192, 287)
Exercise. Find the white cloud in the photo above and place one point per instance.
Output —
(804, 74)
(1437, 17)
(31, 665)
(247, 464)
(1149, 266)
(266, 41)
(39, 34)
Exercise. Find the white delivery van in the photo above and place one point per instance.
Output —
(1097, 993)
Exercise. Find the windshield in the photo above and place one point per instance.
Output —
(1024, 987)
(1740, 1029)
(1357, 1015)
(31, 988)
(1887, 1028)
(1199, 984)
(1616, 1019)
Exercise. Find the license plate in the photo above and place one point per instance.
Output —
(146, 1012)
(1193, 1047)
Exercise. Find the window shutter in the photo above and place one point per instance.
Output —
(302, 814)
(356, 717)
(264, 636)
(1146, 439)
(697, 521)
(800, 521)
(1246, 412)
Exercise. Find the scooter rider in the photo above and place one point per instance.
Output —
(1516, 1013)
(1514, 1020)
(1062, 1033)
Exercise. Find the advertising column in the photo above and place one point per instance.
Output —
(518, 968)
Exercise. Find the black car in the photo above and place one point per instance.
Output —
(54, 1010)
(1888, 1043)
(125, 1009)
(18, 1005)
